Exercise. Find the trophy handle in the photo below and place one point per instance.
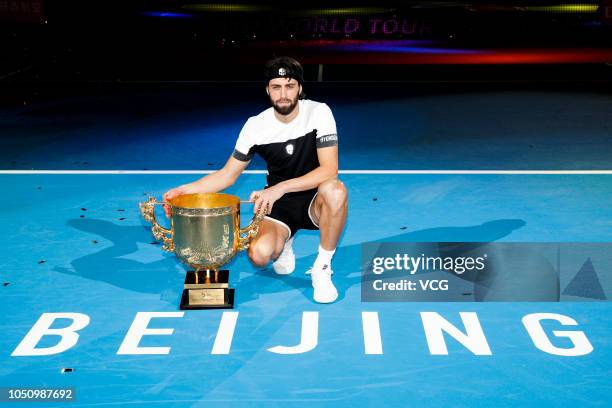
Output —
(160, 233)
(251, 231)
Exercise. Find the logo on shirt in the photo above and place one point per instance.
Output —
(328, 138)
(289, 149)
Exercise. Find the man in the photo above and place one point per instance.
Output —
(297, 139)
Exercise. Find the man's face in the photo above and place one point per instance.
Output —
(284, 93)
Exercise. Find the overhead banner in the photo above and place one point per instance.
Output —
(22, 11)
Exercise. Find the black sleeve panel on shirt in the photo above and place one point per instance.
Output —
(327, 141)
(241, 156)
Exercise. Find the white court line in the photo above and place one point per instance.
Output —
(571, 172)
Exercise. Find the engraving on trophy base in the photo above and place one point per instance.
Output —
(206, 296)
(209, 298)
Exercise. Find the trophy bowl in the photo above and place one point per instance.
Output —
(204, 234)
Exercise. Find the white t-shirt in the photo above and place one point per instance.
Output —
(289, 149)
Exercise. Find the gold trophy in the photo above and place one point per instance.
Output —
(205, 234)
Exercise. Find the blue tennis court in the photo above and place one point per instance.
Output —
(505, 165)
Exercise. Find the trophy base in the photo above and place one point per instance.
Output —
(207, 298)
(200, 280)
(207, 290)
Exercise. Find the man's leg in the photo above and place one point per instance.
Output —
(329, 211)
(268, 244)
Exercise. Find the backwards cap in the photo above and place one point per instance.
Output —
(284, 67)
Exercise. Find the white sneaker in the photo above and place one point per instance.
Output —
(324, 289)
(285, 264)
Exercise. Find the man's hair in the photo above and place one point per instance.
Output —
(284, 67)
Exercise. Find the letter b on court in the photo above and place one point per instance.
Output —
(68, 335)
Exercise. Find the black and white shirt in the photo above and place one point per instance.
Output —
(289, 149)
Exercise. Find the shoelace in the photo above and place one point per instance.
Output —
(324, 275)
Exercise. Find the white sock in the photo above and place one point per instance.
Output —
(324, 257)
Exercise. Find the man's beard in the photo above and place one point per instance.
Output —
(285, 109)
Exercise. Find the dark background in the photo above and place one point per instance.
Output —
(169, 40)
(64, 46)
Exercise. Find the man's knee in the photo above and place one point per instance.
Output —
(260, 253)
(334, 194)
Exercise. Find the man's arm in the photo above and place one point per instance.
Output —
(218, 180)
(211, 183)
(328, 169)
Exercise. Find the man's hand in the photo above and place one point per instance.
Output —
(264, 199)
(170, 194)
